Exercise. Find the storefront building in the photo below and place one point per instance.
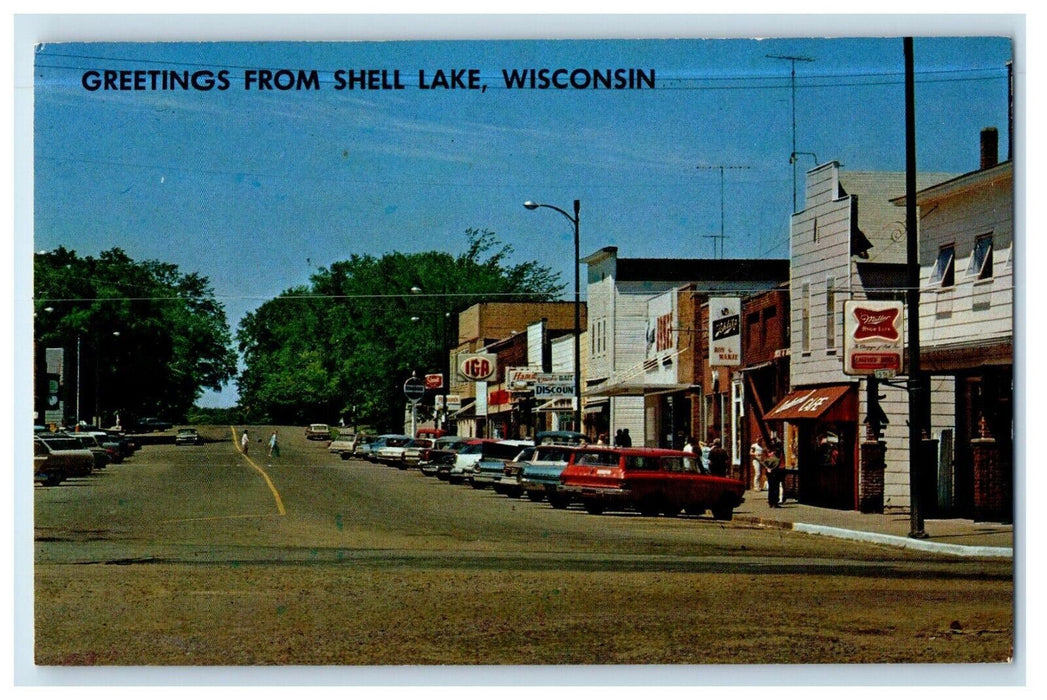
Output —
(646, 370)
(967, 333)
(846, 244)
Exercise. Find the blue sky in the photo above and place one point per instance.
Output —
(256, 189)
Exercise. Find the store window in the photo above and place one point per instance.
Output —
(830, 314)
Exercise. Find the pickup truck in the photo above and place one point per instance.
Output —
(648, 480)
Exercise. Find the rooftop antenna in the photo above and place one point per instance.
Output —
(793, 153)
(722, 235)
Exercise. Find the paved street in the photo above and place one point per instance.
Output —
(198, 555)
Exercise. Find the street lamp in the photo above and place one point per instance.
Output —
(577, 309)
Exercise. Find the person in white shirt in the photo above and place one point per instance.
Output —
(756, 455)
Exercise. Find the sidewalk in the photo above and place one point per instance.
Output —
(948, 536)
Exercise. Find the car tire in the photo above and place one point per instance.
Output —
(594, 508)
(559, 502)
(723, 511)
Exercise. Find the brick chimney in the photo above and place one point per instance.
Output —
(990, 147)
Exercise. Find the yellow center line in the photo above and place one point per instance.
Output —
(268, 481)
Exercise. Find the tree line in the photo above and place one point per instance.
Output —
(149, 339)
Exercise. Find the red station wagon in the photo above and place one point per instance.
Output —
(650, 480)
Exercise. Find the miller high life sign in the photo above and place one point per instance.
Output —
(873, 340)
(725, 331)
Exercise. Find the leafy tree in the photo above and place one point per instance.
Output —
(344, 344)
(145, 337)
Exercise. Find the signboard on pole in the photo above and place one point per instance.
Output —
(414, 389)
(434, 381)
(725, 331)
(873, 343)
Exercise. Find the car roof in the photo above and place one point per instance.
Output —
(637, 451)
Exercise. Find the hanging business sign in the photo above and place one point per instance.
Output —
(434, 381)
(477, 367)
(725, 331)
(520, 378)
(873, 343)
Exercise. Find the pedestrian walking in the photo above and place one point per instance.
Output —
(773, 467)
(627, 440)
(244, 441)
(274, 446)
(718, 459)
(618, 438)
(688, 445)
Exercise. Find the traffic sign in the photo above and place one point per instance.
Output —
(414, 389)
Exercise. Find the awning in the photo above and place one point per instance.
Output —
(554, 405)
(816, 402)
(466, 411)
(641, 389)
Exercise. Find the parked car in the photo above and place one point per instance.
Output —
(149, 425)
(344, 445)
(119, 446)
(413, 452)
(188, 436)
(318, 431)
(378, 442)
(536, 471)
(391, 451)
(649, 480)
(363, 446)
(481, 461)
(56, 459)
(89, 442)
(438, 459)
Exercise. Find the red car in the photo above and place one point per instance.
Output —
(650, 480)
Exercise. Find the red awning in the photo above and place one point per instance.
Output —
(809, 404)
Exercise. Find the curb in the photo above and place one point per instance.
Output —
(960, 550)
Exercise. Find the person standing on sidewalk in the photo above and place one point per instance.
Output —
(772, 465)
(756, 453)
(718, 459)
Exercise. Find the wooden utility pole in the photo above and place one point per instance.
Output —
(912, 304)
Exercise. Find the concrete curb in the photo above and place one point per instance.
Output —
(960, 550)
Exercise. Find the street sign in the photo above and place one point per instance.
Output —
(434, 381)
(414, 389)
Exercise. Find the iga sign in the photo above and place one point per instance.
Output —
(872, 337)
(477, 367)
(725, 331)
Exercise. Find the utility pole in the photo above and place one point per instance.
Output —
(917, 387)
(721, 168)
(792, 154)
